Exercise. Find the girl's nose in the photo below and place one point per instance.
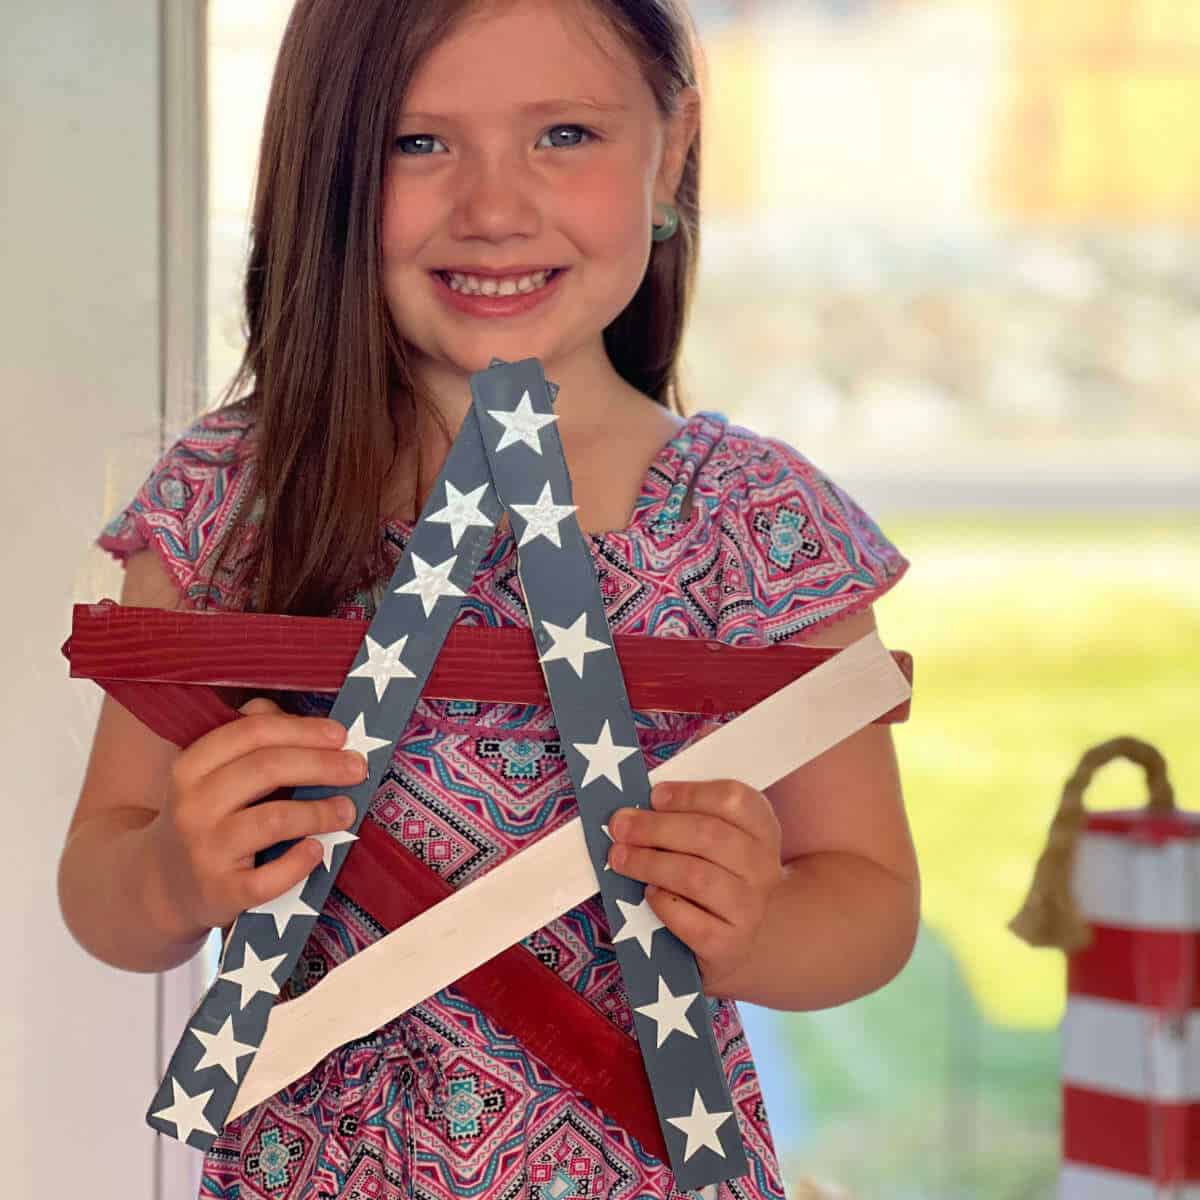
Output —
(501, 198)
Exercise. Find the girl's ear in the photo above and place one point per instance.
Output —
(682, 127)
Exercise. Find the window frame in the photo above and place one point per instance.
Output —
(183, 371)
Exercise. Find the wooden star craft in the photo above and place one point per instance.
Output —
(241, 1046)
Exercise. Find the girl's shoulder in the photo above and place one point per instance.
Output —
(189, 498)
(773, 547)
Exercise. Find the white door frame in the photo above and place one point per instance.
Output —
(184, 199)
(183, 257)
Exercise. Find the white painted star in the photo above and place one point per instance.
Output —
(572, 643)
(357, 738)
(641, 922)
(542, 519)
(604, 758)
(186, 1112)
(430, 582)
(284, 908)
(522, 424)
(610, 838)
(222, 1049)
(462, 509)
(669, 1013)
(383, 665)
(255, 975)
(335, 837)
(701, 1127)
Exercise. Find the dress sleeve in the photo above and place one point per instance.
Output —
(184, 501)
(801, 552)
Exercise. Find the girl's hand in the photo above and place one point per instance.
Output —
(210, 826)
(710, 853)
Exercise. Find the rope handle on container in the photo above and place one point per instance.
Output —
(1050, 916)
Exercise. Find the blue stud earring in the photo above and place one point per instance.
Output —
(660, 233)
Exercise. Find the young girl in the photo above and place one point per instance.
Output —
(416, 157)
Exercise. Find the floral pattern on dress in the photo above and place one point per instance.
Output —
(439, 1103)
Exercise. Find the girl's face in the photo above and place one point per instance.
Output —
(479, 178)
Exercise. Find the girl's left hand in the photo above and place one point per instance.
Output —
(710, 855)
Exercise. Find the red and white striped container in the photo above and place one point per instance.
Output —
(1131, 1031)
(1120, 893)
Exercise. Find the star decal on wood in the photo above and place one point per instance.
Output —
(429, 582)
(462, 511)
(521, 424)
(701, 1127)
(357, 738)
(254, 976)
(330, 841)
(604, 758)
(222, 1049)
(543, 518)
(641, 923)
(669, 1012)
(286, 906)
(186, 1112)
(571, 643)
(383, 664)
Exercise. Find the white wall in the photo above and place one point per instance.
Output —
(81, 397)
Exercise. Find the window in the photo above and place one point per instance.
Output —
(949, 254)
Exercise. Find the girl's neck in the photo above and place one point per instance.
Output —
(591, 392)
(592, 402)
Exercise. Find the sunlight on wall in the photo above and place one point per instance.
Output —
(1100, 116)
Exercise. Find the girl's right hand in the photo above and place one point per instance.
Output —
(210, 827)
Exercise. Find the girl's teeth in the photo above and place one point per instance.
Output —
(475, 286)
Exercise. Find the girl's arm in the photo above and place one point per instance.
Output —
(801, 896)
(110, 890)
(843, 920)
(111, 896)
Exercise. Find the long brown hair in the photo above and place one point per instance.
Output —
(323, 357)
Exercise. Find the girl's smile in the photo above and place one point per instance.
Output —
(525, 292)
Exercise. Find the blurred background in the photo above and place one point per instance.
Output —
(949, 253)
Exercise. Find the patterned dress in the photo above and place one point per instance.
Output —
(440, 1103)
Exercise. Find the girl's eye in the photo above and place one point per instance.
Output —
(588, 136)
(412, 137)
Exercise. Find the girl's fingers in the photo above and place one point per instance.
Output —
(729, 800)
(255, 886)
(689, 832)
(250, 830)
(707, 936)
(234, 786)
(259, 729)
(704, 883)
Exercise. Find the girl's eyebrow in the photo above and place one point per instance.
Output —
(539, 106)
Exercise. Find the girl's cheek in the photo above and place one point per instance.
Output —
(607, 206)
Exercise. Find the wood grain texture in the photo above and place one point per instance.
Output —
(117, 643)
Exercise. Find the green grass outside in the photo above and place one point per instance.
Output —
(1033, 638)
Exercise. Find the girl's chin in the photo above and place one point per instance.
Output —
(511, 347)
(462, 364)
